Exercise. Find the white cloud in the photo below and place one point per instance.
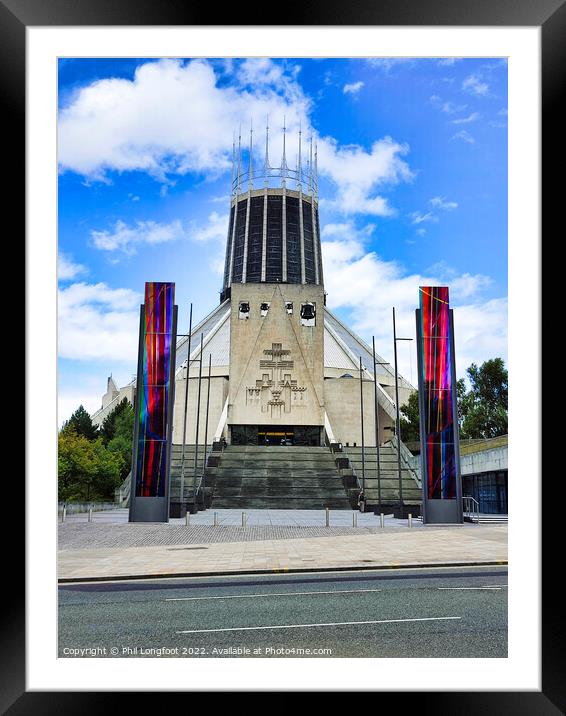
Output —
(419, 218)
(387, 64)
(447, 107)
(173, 118)
(125, 238)
(215, 230)
(466, 120)
(98, 323)
(440, 202)
(367, 287)
(474, 84)
(67, 269)
(353, 88)
(464, 136)
(448, 61)
(357, 174)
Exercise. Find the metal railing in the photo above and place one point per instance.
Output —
(471, 508)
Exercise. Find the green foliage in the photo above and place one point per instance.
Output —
(120, 418)
(117, 432)
(410, 419)
(88, 470)
(81, 424)
(482, 409)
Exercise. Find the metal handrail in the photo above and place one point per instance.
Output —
(471, 506)
(404, 458)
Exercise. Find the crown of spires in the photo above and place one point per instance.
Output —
(302, 178)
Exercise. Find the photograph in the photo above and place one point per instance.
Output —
(282, 357)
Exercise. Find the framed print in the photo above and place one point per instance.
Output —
(281, 165)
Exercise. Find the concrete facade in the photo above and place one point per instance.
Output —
(276, 362)
(342, 401)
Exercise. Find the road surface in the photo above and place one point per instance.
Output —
(442, 612)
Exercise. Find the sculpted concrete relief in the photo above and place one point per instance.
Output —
(276, 393)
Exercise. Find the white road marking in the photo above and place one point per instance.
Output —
(452, 589)
(327, 624)
(267, 594)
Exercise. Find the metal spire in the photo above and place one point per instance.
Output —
(316, 169)
(310, 167)
(239, 160)
(299, 166)
(284, 158)
(266, 162)
(233, 160)
(251, 170)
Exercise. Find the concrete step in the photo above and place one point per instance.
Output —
(280, 477)
(280, 503)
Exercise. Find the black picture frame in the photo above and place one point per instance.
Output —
(550, 16)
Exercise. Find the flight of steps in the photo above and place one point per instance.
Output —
(487, 519)
(290, 477)
(389, 478)
(175, 471)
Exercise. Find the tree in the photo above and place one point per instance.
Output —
(117, 433)
(108, 427)
(483, 409)
(87, 469)
(410, 422)
(80, 423)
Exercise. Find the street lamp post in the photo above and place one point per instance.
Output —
(376, 410)
(197, 425)
(362, 429)
(397, 416)
(182, 495)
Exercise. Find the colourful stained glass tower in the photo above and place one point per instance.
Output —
(440, 455)
(154, 405)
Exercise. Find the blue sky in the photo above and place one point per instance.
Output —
(412, 158)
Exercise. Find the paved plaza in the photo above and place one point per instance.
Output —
(272, 540)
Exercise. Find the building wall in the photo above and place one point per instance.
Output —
(252, 381)
(108, 405)
(342, 403)
(485, 461)
(218, 394)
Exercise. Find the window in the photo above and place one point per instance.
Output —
(263, 309)
(289, 307)
(244, 310)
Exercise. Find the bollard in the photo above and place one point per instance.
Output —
(64, 513)
(90, 514)
(410, 520)
(354, 519)
(382, 520)
(244, 519)
(187, 518)
(215, 519)
(327, 517)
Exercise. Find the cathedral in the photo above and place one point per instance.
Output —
(277, 367)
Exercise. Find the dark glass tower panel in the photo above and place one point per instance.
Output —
(239, 241)
(255, 240)
(309, 244)
(228, 245)
(255, 256)
(317, 239)
(293, 241)
(274, 239)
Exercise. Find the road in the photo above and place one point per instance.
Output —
(443, 612)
